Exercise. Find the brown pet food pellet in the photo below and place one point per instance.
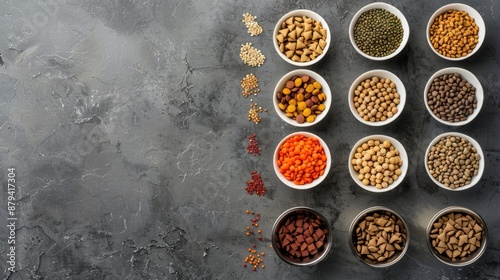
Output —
(302, 99)
(451, 98)
(456, 235)
(302, 236)
(379, 237)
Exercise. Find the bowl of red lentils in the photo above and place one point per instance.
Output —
(302, 160)
(301, 37)
(378, 163)
(377, 97)
(455, 31)
(302, 98)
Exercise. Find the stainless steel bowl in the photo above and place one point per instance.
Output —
(352, 237)
(294, 211)
(474, 256)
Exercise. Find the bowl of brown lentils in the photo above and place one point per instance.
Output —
(453, 96)
(457, 236)
(302, 98)
(454, 161)
(378, 163)
(301, 37)
(379, 31)
(455, 31)
(377, 97)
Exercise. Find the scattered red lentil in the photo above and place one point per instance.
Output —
(256, 185)
(253, 145)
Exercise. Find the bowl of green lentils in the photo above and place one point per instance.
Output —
(379, 31)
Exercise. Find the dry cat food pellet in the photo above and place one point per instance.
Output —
(302, 236)
(301, 159)
(377, 163)
(454, 34)
(302, 99)
(453, 161)
(302, 39)
(456, 236)
(451, 98)
(376, 99)
(379, 237)
(253, 28)
(251, 56)
(250, 85)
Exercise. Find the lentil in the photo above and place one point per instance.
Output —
(253, 28)
(255, 185)
(250, 85)
(451, 98)
(302, 99)
(380, 237)
(301, 159)
(378, 32)
(302, 38)
(378, 163)
(456, 236)
(376, 99)
(253, 145)
(454, 34)
(453, 161)
(251, 56)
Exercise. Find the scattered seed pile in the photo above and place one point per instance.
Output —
(253, 113)
(251, 56)
(254, 259)
(256, 185)
(253, 145)
(250, 85)
(253, 27)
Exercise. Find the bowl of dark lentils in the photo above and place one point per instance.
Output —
(457, 236)
(379, 31)
(301, 236)
(379, 237)
(454, 161)
(453, 96)
(302, 98)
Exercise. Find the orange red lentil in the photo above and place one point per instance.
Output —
(302, 159)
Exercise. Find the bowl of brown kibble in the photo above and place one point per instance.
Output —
(379, 237)
(379, 31)
(454, 161)
(378, 163)
(302, 98)
(453, 96)
(455, 31)
(301, 37)
(457, 236)
(377, 97)
(301, 236)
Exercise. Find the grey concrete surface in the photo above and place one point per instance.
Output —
(126, 126)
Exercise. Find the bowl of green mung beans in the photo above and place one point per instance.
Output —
(379, 31)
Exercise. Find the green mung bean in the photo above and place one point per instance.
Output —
(378, 32)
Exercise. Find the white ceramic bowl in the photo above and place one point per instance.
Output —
(459, 7)
(299, 13)
(474, 256)
(324, 87)
(465, 75)
(393, 10)
(402, 154)
(400, 88)
(315, 182)
(474, 143)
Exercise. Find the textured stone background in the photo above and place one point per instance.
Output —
(127, 128)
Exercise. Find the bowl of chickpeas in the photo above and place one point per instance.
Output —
(377, 97)
(378, 163)
(302, 98)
